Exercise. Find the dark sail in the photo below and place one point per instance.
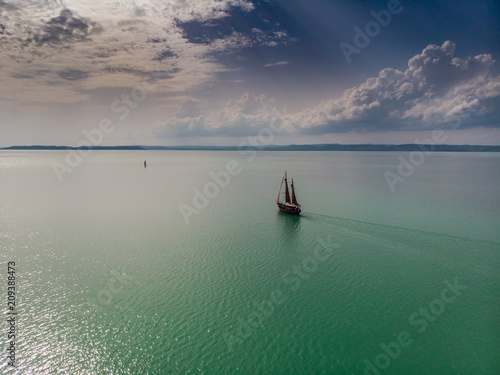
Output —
(287, 194)
(289, 206)
(294, 199)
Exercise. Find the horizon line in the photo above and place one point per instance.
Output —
(288, 147)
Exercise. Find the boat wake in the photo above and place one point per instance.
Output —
(342, 220)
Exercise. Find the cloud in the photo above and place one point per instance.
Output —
(7, 6)
(164, 55)
(236, 40)
(139, 12)
(276, 64)
(235, 118)
(107, 40)
(204, 11)
(65, 28)
(73, 74)
(435, 86)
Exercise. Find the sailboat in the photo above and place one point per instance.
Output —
(290, 205)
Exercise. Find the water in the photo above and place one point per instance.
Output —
(111, 279)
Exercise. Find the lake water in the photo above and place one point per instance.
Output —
(112, 280)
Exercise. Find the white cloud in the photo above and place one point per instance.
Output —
(235, 118)
(237, 41)
(435, 86)
(276, 64)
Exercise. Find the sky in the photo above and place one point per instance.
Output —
(222, 72)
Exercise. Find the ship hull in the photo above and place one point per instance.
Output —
(290, 209)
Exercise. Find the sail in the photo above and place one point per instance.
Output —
(287, 194)
(279, 191)
(294, 199)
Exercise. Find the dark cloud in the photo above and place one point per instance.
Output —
(21, 76)
(139, 12)
(164, 55)
(156, 74)
(104, 54)
(126, 70)
(63, 18)
(157, 40)
(65, 28)
(73, 74)
(7, 6)
(163, 74)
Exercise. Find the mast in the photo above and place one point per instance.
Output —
(287, 194)
(294, 199)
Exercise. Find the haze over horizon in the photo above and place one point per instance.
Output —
(215, 72)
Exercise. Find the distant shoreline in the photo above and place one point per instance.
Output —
(311, 147)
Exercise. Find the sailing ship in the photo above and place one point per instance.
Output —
(290, 204)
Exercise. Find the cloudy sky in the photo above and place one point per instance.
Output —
(213, 72)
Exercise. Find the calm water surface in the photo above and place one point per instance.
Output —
(111, 279)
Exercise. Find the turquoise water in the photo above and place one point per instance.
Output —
(112, 280)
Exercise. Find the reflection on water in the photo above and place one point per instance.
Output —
(193, 284)
(289, 224)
